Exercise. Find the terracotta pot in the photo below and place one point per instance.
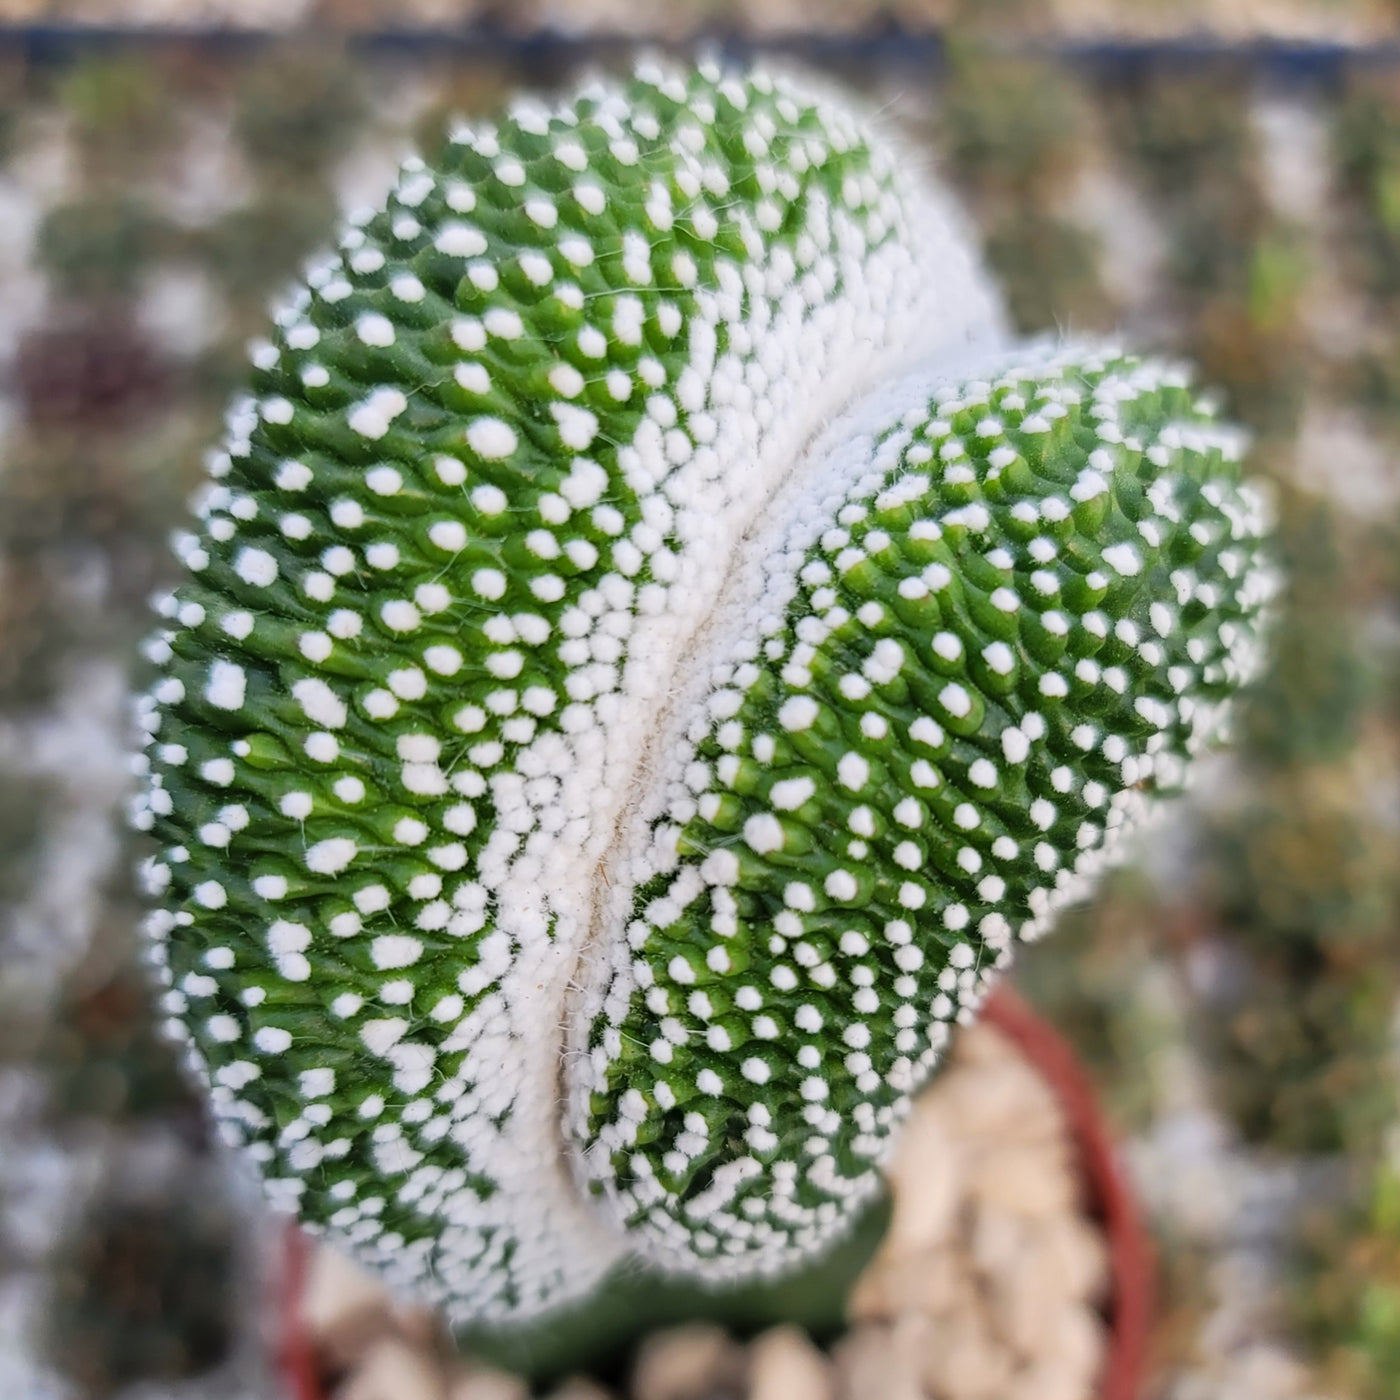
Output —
(1107, 1190)
(1128, 1309)
(295, 1356)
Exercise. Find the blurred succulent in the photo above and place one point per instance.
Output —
(1237, 272)
(1366, 147)
(650, 652)
(296, 108)
(1016, 131)
(118, 110)
(98, 248)
(1348, 1296)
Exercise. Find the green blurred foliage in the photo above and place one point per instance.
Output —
(1349, 1301)
(1277, 273)
(21, 827)
(1014, 131)
(1049, 273)
(143, 1294)
(119, 115)
(73, 516)
(1236, 275)
(105, 1060)
(1011, 126)
(1366, 147)
(1094, 979)
(1298, 1054)
(1304, 871)
(1299, 886)
(100, 247)
(1375, 382)
(255, 250)
(298, 110)
(1186, 129)
(1310, 703)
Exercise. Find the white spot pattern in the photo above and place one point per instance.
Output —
(574, 572)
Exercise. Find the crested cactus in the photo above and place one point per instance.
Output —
(651, 650)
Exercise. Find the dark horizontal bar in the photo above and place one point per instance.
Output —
(883, 47)
(1285, 58)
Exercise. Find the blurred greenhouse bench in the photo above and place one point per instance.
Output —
(1236, 202)
(888, 46)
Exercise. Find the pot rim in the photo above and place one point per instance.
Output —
(1132, 1283)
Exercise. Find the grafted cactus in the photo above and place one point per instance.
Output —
(651, 650)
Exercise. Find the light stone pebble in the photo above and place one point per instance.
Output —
(979, 1048)
(695, 1362)
(1018, 1296)
(1079, 1253)
(1049, 1380)
(394, 1369)
(1034, 1181)
(1000, 1102)
(989, 1067)
(996, 1239)
(487, 1383)
(580, 1388)
(963, 1359)
(929, 1282)
(927, 1181)
(785, 1365)
(337, 1289)
(883, 1360)
(348, 1311)
(1076, 1335)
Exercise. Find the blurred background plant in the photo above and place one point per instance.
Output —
(1235, 993)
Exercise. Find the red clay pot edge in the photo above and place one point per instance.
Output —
(1129, 1253)
(1131, 1268)
(295, 1352)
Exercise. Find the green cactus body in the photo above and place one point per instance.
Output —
(562, 707)
(989, 622)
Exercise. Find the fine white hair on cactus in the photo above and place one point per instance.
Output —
(651, 644)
